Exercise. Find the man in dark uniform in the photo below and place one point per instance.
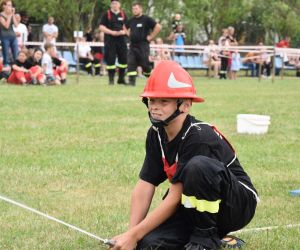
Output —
(113, 25)
(141, 30)
(210, 194)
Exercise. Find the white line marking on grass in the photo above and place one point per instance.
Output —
(258, 229)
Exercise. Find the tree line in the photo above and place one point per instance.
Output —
(254, 20)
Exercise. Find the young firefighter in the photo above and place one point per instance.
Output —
(210, 194)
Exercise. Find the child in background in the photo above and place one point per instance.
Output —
(35, 63)
(48, 65)
(235, 64)
(20, 74)
(224, 59)
(60, 69)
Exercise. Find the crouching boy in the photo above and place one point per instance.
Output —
(210, 194)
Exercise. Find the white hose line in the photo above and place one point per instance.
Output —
(259, 229)
(105, 241)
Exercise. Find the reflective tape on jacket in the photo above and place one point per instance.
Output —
(200, 205)
(88, 65)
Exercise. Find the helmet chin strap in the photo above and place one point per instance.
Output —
(164, 123)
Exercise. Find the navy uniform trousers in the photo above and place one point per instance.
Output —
(214, 204)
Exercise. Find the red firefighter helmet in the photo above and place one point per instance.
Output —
(170, 80)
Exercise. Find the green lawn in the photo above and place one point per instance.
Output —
(75, 152)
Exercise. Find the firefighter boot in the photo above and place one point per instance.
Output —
(121, 79)
(131, 80)
(111, 77)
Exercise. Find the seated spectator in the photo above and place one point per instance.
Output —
(211, 58)
(161, 53)
(35, 64)
(47, 64)
(98, 53)
(21, 32)
(20, 73)
(85, 56)
(250, 62)
(264, 62)
(60, 69)
(4, 71)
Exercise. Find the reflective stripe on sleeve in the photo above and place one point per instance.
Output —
(200, 205)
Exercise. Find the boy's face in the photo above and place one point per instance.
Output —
(52, 52)
(162, 108)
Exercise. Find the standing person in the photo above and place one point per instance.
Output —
(210, 194)
(224, 54)
(7, 34)
(141, 30)
(235, 64)
(50, 31)
(113, 25)
(21, 31)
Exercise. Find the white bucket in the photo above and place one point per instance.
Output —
(253, 124)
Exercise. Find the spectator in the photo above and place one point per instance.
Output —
(7, 34)
(162, 53)
(235, 64)
(230, 36)
(224, 37)
(176, 21)
(211, 58)
(250, 62)
(60, 69)
(20, 70)
(178, 37)
(4, 71)
(224, 59)
(89, 34)
(85, 56)
(263, 62)
(141, 29)
(98, 54)
(47, 64)
(284, 43)
(50, 31)
(35, 64)
(21, 31)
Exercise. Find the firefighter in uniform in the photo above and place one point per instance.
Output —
(210, 194)
(141, 30)
(113, 25)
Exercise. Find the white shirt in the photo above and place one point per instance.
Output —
(22, 29)
(47, 60)
(50, 29)
(83, 50)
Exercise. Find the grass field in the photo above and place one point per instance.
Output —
(75, 152)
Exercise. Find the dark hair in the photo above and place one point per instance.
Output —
(48, 46)
(38, 49)
(136, 3)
